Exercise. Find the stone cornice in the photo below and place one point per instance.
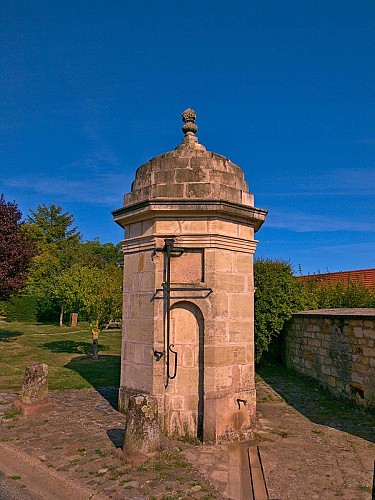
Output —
(148, 243)
(167, 208)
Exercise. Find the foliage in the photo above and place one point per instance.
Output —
(54, 224)
(16, 250)
(94, 253)
(2, 307)
(57, 243)
(93, 291)
(55, 276)
(278, 295)
(22, 308)
(339, 294)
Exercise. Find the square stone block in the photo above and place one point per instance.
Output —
(243, 263)
(241, 330)
(137, 377)
(146, 281)
(224, 261)
(139, 330)
(220, 304)
(140, 305)
(194, 226)
(239, 306)
(230, 282)
(215, 332)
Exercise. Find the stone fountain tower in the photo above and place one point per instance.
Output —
(188, 315)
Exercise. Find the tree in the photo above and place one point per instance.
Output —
(16, 249)
(58, 243)
(54, 224)
(94, 253)
(59, 271)
(278, 295)
(92, 291)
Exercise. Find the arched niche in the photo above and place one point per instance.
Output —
(184, 396)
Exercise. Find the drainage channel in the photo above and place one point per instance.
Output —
(246, 476)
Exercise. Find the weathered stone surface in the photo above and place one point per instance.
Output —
(142, 431)
(35, 384)
(200, 200)
(335, 347)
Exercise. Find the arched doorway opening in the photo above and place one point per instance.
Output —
(185, 393)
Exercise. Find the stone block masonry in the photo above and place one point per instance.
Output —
(188, 316)
(337, 348)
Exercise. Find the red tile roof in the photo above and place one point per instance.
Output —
(365, 276)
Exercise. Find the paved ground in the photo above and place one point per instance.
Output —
(75, 442)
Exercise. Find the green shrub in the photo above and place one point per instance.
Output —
(339, 294)
(22, 308)
(2, 307)
(278, 295)
(47, 311)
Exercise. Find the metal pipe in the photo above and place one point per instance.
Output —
(175, 362)
(168, 247)
(167, 293)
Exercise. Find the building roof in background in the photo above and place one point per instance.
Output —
(365, 276)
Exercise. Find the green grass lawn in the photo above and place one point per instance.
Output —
(65, 350)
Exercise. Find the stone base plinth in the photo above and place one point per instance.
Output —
(31, 409)
(230, 417)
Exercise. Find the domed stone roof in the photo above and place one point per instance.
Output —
(189, 172)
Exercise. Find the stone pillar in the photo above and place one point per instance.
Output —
(200, 201)
(142, 431)
(34, 393)
(35, 384)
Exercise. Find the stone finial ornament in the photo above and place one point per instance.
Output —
(189, 117)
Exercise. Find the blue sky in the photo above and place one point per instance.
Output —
(92, 89)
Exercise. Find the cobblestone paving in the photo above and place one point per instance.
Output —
(302, 459)
(78, 436)
(307, 460)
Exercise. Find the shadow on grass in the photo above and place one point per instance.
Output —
(8, 335)
(309, 398)
(72, 347)
(103, 374)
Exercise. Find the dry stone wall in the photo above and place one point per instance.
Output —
(335, 347)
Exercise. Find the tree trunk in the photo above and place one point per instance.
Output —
(61, 316)
(95, 340)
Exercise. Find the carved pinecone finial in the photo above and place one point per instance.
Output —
(189, 117)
